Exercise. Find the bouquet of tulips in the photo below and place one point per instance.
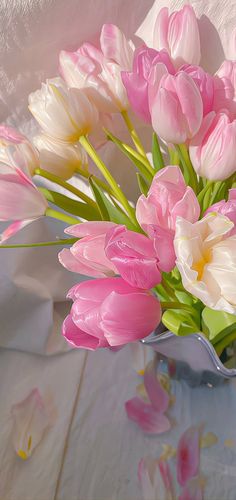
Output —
(172, 257)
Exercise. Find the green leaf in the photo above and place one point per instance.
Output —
(217, 324)
(71, 206)
(157, 157)
(139, 161)
(179, 322)
(110, 211)
(143, 186)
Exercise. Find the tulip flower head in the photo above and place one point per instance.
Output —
(178, 33)
(99, 70)
(109, 312)
(17, 151)
(63, 114)
(205, 256)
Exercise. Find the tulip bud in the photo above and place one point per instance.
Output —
(64, 114)
(109, 312)
(213, 149)
(17, 151)
(99, 71)
(175, 105)
(136, 81)
(178, 33)
(61, 159)
(225, 88)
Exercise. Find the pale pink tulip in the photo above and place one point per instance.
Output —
(178, 33)
(58, 158)
(136, 81)
(20, 200)
(168, 198)
(99, 71)
(205, 256)
(213, 149)
(175, 105)
(155, 479)
(109, 312)
(87, 256)
(225, 88)
(64, 114)
(150, 416)
(134, 256)
(188, 455)
(205, 84)
(227, 208)
(17, 151)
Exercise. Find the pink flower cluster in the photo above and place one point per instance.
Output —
(112, 310)
(183, 102)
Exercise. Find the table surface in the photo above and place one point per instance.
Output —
(92, 450)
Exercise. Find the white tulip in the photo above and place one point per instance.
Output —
(61, 159)
(65, 114)
(206, 259)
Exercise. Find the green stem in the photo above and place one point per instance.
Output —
(61, 216)
(98, 181)
(177, 305)
(65, 241)
(109, 178)
(157, 157)
(135, 138)
(174, 157)
(225, 342)
(203, 191)
(168, 289)
(66, 185)
(187, 165)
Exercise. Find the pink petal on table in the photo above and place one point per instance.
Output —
(32, 417)
(146, 416)
(151, 480)
(188, 455)
(193, 490)
(158, 396)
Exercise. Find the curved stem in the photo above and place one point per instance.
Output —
(135, 138)
(65, 185)
(61, 216)
(109, 178)
(168, 288)
(65, 241)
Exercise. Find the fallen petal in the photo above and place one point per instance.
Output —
(188, 455)
(146, 416)
(158, 396)
(193, 490)
(32, 417)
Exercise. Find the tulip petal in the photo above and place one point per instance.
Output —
(193, 490)
(159, 398)
(115, 46)
(31, 419)
(89, 228)
(188, 455)
(151, 480)
(79, 338)
(13, 229)
(146, 416)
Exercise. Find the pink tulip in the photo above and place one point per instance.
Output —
(109, 312)
(225, 88)
(87, 256)
(168, 198)
(178, 33)
(136, 81)
(213, 149)
(134, 256)
(188, 455)
(175, 105)
(205, 84)
(99, 70)
(150, 416)
(17, 151)
(20, 200)
(227, 208)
